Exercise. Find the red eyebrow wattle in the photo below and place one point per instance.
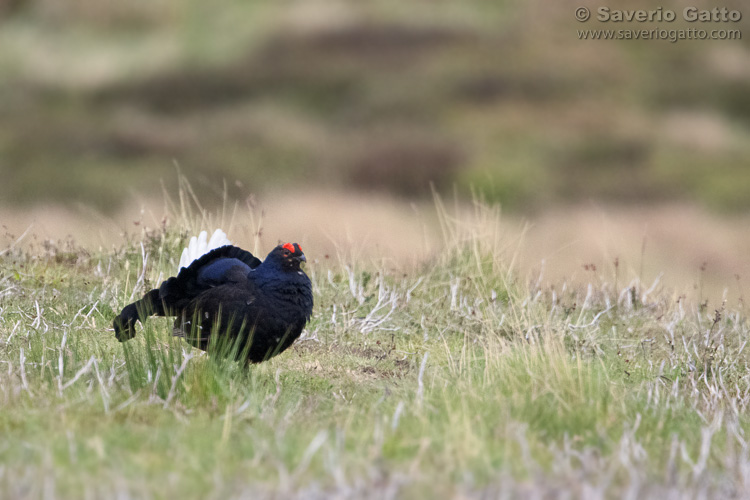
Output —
(289, 247)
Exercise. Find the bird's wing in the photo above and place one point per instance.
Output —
(227, 264)
(222, 270)
(223, 252)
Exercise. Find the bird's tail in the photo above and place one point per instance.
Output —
(200, 245)
(149, 305)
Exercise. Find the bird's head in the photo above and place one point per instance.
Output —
(287, 256)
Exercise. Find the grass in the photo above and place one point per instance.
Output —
(457, 379)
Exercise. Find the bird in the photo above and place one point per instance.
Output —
(260, 307)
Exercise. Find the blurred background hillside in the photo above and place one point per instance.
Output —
(102, 102)
(102, 99)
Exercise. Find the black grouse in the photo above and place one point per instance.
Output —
(229, 292)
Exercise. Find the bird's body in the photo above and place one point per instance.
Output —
(261, 307)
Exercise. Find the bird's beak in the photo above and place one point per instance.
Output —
(302, 258)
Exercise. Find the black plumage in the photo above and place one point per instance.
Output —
(260, 306)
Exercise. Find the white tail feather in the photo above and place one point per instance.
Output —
(198, 246)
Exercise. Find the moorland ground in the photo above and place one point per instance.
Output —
(456, 378)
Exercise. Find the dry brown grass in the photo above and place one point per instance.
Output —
(695, 253)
